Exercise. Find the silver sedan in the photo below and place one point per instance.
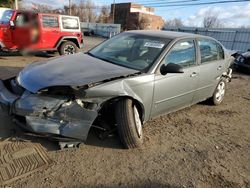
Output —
(117, 86)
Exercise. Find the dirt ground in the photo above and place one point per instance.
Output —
(200, 146)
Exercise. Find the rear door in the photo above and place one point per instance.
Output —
(211, 66)
(176, 90)
(50, 30)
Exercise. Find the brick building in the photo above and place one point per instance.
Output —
(133, 16)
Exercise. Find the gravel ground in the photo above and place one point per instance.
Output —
(200, 146)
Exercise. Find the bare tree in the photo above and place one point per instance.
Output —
(43, 8)
(144, 23)
(174, 23)
(211, 19)
(85, 11)
(7, 3)
(104, 16)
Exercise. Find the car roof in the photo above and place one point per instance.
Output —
(166, 34)
(41, 13)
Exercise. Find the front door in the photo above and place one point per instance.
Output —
(176, 90)
(21, 32)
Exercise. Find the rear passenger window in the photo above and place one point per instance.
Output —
(70, 23)
(50, 21)
(210, 50)
(183, 54)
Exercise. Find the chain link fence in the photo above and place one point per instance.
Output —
(100, 29)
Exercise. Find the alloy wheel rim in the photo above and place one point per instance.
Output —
(220, 92)
(138, 123)
(69, 49)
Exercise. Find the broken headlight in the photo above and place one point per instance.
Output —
(86, 105)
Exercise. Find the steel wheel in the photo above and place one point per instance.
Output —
(219, 92)
(138, 123)
(221, 88)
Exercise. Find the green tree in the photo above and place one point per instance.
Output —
(7, 3)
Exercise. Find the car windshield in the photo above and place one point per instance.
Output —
(5, 16)
(130, 50)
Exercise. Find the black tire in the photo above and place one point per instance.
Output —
(216, 99)
(129, 134)
(67, 48)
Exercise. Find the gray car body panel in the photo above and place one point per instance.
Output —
(74, 70)
(155, 93)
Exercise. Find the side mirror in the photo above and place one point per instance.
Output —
(171, 68)
(12, 24)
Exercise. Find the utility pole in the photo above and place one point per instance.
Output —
(113, 12)
(16, 4)
(69, 7)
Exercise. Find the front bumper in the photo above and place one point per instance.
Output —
(48, 115)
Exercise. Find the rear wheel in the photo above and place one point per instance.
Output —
(219, 93)
(68, 48)
(129, 124)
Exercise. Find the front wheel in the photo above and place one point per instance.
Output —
(68, 48)
(129, 124)
(219, 93)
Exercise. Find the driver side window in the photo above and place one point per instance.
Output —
(22, 20)
(183, 54)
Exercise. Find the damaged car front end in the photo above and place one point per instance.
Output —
(50, 113)
(59, 110)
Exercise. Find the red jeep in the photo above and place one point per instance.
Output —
(30, 31)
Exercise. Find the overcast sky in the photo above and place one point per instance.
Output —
(232, 14)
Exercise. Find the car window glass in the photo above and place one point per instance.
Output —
(183, 54)
(139, 52)
(70, 23)
(50, 21)
(5, 16)
(131, 50)
(209, 51)
(22, 20)
(221, 51)
(124, 44)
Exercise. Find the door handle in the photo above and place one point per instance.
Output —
(194, 74)
(219, 68)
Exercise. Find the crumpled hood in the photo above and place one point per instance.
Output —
(72, 70)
